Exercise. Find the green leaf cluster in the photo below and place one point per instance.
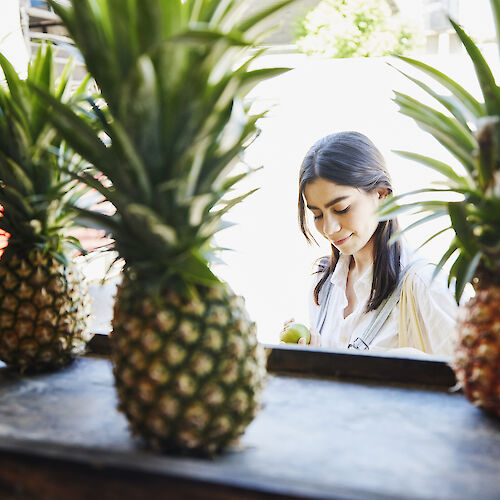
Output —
(470, 130)
(37, 169)
(353, 28)
(174, 76)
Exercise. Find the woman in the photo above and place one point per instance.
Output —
(343, 180)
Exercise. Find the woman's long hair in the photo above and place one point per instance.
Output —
(351, 159)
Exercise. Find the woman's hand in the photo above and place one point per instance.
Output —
(285, 323)
(315, 338)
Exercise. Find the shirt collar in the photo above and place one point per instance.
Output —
(363, 284)
(339, 275)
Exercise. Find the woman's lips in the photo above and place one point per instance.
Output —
(342, 241)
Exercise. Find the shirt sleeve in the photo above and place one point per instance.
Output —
(436, 311)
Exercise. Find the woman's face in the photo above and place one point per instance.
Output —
(344, 215)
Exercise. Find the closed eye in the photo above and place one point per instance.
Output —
(316, 217)
(342, 211)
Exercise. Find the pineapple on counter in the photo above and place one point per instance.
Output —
(470, 130)
(43, 298)
(174, 74)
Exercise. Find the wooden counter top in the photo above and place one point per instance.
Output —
(62, 437)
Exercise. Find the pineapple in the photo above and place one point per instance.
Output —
(188, 368)
(189, 371)
(43, 299)
(470, 130)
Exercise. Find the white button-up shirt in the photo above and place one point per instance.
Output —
(436, 309)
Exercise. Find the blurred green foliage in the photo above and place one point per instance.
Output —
(353, 28)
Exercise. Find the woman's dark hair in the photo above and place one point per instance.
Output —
(351, 159)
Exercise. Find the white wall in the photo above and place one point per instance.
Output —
(477, 19)
(12, 43)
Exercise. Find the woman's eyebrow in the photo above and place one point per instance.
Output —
(330, 203)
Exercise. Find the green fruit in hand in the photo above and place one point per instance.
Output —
(293, 332)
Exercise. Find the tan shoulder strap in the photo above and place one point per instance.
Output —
(411, 333)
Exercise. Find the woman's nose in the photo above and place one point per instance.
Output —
(330, 226)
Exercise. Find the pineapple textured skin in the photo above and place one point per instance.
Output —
(189, 372)
(477, 355)
(44, 310)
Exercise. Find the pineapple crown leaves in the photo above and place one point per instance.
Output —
(174, 77)
(34, 183)
(470, 130)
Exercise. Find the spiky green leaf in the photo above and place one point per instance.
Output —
(458, 215)
(475, 107)
(483, 72)
(436, 165)
(451, 103)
